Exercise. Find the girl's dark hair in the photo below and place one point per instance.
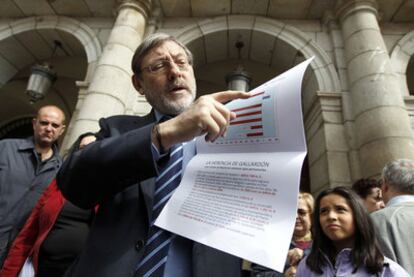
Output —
(365, 252)
(75, 146)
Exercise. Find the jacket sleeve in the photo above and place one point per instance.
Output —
(109, 165)
(25, 240)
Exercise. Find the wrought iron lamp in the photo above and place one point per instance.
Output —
(239, 79)
(42, 77)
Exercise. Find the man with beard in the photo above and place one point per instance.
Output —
(27, 166)
(125, 172)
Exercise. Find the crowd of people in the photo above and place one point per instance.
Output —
(93, 213)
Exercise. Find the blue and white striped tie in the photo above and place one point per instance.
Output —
(156, 247)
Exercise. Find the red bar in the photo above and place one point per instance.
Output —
(256, 127)
(259, 93)
(247, 107)
(258, 134)
(245, 121)
(250, 113)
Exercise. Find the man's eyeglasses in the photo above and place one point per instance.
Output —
(162, 66)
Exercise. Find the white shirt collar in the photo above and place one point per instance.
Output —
(400, 199)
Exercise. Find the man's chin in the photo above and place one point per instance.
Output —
(45, 142)
(173, 109)
(181, 95)
(179, 104)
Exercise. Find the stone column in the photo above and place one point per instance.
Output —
(110, 86)
(69, 138)
(335, 34)
(382, 127)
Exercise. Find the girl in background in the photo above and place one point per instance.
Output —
(344, 242)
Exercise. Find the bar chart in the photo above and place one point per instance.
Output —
(256, 121)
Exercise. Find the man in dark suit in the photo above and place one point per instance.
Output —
(118, 172)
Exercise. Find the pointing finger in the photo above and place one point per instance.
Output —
(229, 95)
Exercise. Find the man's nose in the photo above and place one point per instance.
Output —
(174, 71)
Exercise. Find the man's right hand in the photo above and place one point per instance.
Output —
(208, 115)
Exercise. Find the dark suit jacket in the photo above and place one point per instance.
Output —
(118, 172)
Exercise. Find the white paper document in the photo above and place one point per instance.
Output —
(239, 193)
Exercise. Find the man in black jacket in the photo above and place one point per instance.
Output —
(119, 170)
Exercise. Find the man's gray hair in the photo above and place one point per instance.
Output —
(399, 174)
(153, 41)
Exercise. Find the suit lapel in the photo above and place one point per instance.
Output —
(147, 189)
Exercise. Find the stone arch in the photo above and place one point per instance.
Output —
(322, 65)
(400, 57)
(321, 81)
(79, 30)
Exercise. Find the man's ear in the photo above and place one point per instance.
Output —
(385, 187)
(62, 130)
(34, 120)
(137, 84)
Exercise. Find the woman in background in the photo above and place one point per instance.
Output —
(301, 240)
(344, 242)
(302, 237)
(53, 235)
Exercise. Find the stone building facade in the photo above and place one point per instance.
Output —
(356, 97)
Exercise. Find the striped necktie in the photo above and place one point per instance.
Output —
(158, 243)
